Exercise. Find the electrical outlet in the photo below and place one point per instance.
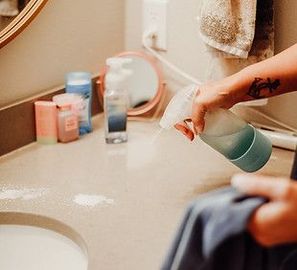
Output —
(155, 17)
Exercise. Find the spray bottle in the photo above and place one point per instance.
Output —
(238, 141)
(116, 101)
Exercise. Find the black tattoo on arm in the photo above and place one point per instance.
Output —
(259, 84)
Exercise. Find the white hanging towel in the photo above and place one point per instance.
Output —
(228, 25)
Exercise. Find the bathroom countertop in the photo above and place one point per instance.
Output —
(124, 200)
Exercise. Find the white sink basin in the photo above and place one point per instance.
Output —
(26, 247)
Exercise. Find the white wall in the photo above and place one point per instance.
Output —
(187, 51)
(67, 35)
(184, 47)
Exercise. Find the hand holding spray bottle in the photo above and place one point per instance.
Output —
(238, 141)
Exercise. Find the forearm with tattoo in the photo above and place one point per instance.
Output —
(259, 85)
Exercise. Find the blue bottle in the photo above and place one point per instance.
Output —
(81, 83)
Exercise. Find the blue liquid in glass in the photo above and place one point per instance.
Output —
(117, 122)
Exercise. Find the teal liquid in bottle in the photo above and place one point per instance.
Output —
(238, 141)
(232, 146)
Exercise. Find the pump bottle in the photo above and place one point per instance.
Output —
(116, 101)
(238, 141)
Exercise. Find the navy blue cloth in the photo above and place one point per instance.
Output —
(213, 236)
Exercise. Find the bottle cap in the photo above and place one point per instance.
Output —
(65, 107)
(257, 155)
(116, 74)
(78, 78)
(75, 101)
(68, 98)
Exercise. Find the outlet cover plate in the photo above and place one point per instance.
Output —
(155, 17)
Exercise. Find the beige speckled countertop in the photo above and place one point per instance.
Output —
(144, 189)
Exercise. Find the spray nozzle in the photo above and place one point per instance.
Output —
(117, 74)
(124, 60)
(113, 63)
(117, 62)
(180, 107)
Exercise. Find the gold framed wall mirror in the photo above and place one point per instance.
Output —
(15, 15)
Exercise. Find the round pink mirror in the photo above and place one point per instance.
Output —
(145, 86)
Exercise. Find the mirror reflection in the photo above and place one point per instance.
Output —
(9, 9)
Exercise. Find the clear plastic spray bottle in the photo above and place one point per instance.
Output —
(238, 141)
